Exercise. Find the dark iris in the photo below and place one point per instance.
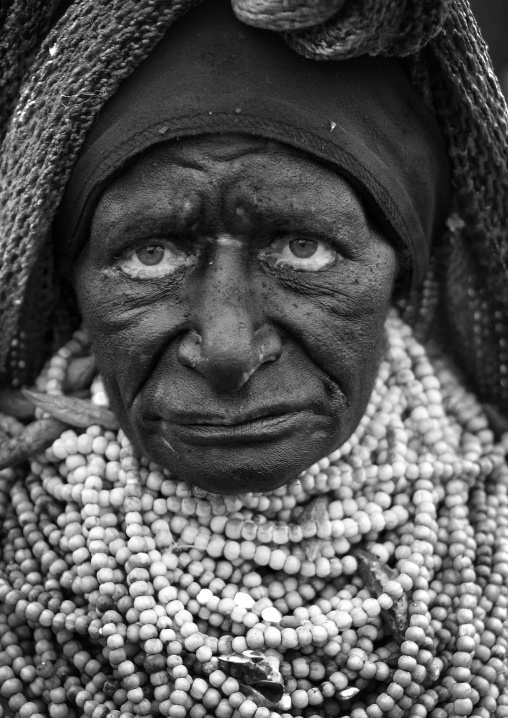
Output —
(150, 255)
(303, 248)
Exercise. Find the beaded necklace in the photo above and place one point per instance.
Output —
(373, 586)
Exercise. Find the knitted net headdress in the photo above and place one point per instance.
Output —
(61, 61)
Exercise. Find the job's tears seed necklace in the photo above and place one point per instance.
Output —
(373, 586)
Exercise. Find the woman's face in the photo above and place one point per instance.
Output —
(235, 295)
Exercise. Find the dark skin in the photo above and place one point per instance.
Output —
(235, 294)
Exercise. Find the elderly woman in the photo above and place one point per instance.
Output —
(269, 263)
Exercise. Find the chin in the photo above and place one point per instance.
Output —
(237, 467)
(240, 480)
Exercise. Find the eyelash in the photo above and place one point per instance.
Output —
(270, 254)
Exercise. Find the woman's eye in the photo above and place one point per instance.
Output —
(303, 248)
(151, 255)
(154, 259)
(302, 253)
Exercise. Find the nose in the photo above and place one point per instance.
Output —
(229, 341)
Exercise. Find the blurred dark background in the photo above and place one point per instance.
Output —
(492, 16)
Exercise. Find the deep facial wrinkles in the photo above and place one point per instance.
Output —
(231, 334)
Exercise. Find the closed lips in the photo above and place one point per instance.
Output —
(209, 420)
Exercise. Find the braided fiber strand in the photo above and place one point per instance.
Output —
(93, 47)
(372, 27)
(23, 26)
(284, 15)
(473, 258)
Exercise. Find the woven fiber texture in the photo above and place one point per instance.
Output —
(56, 77)
(283, 15)
(374, 28)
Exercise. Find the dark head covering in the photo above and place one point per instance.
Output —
(212, 74)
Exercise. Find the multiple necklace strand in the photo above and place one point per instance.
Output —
(124, 592)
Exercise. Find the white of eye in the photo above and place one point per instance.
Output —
(154, 259)
(303, 253)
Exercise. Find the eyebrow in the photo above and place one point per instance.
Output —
(139, 219)
(165, 205)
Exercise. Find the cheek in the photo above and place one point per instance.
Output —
(129, 328)
(339, 320)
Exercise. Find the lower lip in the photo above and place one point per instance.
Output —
(264, 429)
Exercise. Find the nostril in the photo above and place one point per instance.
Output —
(228, 363)
(189, 349)
(268, 343)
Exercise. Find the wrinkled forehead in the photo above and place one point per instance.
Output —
(201, 152)
(222, 153)
(248, 178)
